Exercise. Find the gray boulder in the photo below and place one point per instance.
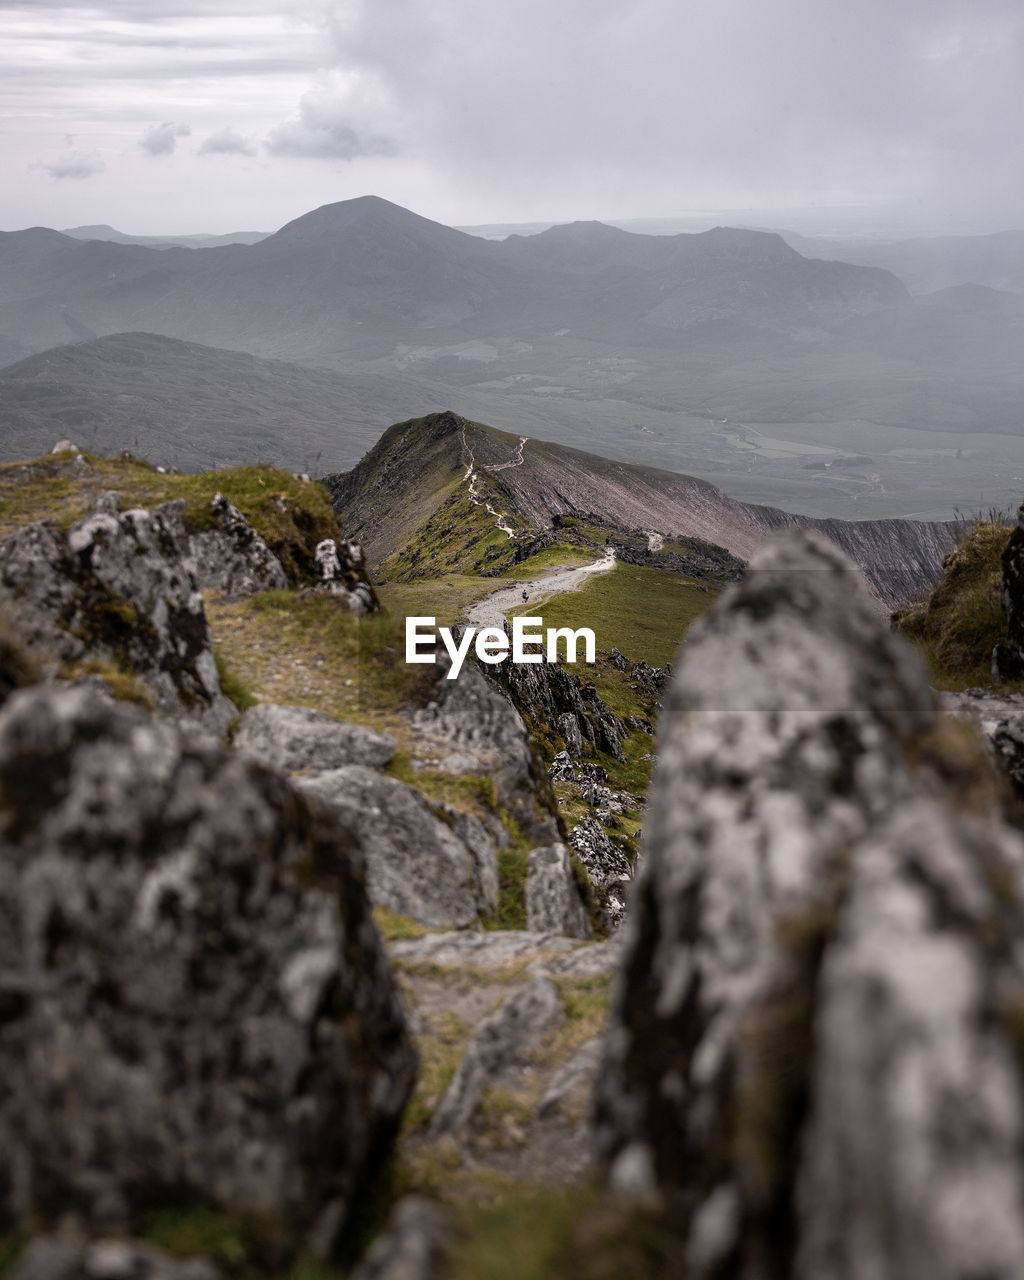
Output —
(295, 739)
(501, 1041)
(417, 862)
(471, 727)
(553, 902)
(118, 587)
(196, 1006)
(813, 1061)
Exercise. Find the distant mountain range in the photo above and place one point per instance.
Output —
(927, 264)
(101, 231)
(725, 323)
(666, 348)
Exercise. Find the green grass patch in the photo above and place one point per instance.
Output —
(512, 868)
(443, 598)
(580, 1233)
(642, 612)
(188, 1233)
(232, 686)
(392, 926)
(292, 515)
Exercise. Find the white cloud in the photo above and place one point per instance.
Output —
(161, 139)
(74, 164)
(227, 142)
(335, 121)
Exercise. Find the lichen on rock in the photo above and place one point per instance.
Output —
(814, 1058)
(196, 1007)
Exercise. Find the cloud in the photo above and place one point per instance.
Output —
(74, 164)
(161, 139)
(335, 122)
(606, 103)
(227, 142)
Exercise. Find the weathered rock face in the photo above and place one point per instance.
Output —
(295, 739)
(607, 867)
(194, 1004)
(439, 868)
(813, 1056)
(1000, 719)
(553, 901)
(1008, 658)
(230, 556)
(550, 695)
(118, 587)
(341, 571)
(472, 728)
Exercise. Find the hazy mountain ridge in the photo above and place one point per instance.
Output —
(192, 407)
(404, 478)
(665, 349)
(926, 264)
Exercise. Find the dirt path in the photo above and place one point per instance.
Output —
(490, 612)
(471, 475)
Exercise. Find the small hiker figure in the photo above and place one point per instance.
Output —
(525, 597)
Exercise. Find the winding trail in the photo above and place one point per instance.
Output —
(471, 475)
(491, 610)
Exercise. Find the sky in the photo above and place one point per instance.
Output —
(175, 116)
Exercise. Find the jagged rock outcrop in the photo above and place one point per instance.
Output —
(549, 694)
(437, 866)
(341, 571)
(230, 556)
(118, 587)
(301, 739)
(553, 901)
(196, 1007)
(607, 866)
(814, 1058)
(1008, 658)
(471, 727)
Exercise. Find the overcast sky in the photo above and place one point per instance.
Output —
(219, 115)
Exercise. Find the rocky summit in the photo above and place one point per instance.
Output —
(699, 961)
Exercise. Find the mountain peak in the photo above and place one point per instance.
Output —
(363, 212)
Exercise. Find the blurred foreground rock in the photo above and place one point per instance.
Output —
(194, 1003)
(815, 1057)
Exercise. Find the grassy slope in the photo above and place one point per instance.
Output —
(642, 612)
(291, 514)
(962, 620)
